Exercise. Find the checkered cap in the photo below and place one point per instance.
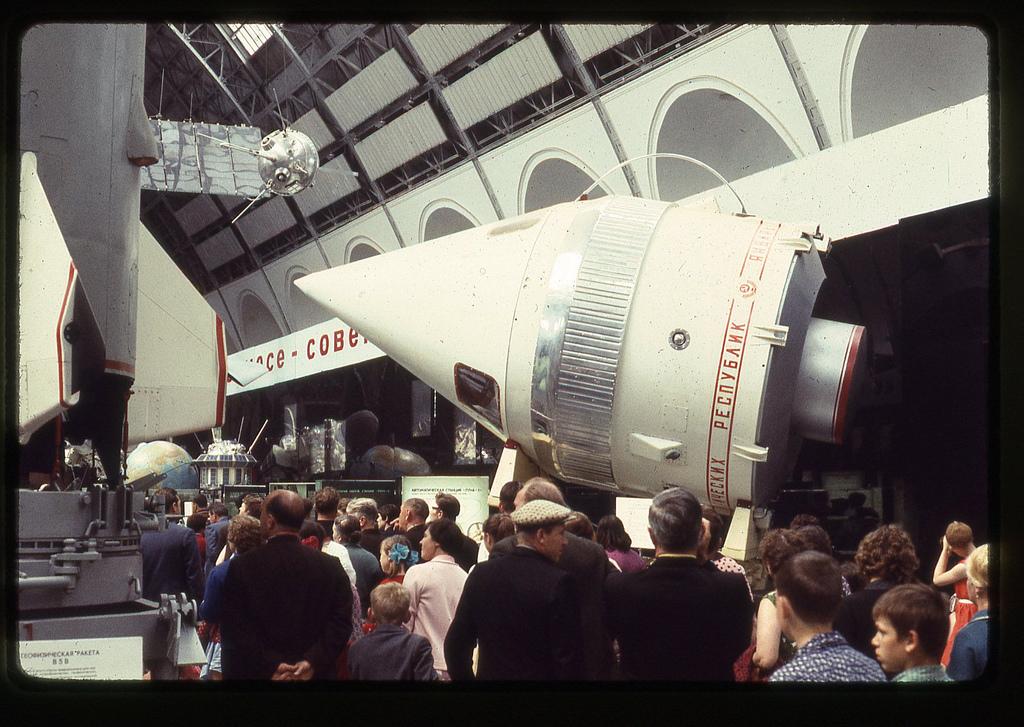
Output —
(538, 513)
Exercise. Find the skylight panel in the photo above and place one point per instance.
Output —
(251, 36)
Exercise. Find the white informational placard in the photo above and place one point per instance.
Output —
(471, 492)
(632, 511)
(114, 658)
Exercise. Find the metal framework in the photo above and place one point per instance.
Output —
(209, 54)
(300, 65)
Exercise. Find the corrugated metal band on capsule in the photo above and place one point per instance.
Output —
(592, 341)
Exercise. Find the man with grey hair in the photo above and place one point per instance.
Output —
(696, 620)
(364, 509)
(589, 566)
(520, 608)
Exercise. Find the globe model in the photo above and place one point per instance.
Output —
(163, 458)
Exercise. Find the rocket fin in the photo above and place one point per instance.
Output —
(181, 361)
(58, 323)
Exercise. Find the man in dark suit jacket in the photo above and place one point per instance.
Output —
(412, 521)
(523, 611)
(216, 535)
(287, 607)
(364, 509)
(678, 619)
(589, 566)
(170, 557)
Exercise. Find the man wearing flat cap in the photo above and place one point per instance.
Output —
(522, 610)
(587, 564)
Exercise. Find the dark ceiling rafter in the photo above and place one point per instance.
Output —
(241, 53)
(211, 55)
(443, 111)
(572, 66)
(172, 79)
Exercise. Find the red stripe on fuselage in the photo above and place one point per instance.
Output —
(222, 371)
(843, 393)
(60, 336)
(119, 367)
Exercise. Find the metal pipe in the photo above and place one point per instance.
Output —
(66, 582)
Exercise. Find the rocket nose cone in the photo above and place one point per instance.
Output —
(350, 291)
(438, 304)
(309, 287)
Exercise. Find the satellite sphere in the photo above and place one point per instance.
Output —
(288, 161)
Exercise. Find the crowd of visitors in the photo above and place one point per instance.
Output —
(332, 588)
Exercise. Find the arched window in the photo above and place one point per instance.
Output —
(554, 181)
(361, 251)
(304, 311)
(722, 131)
(445, 221)
(258, 323)
(906, 71)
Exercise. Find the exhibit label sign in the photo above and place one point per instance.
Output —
(632, 511)
(471, 492)
(113, 658)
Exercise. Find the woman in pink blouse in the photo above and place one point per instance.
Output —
(612, 536)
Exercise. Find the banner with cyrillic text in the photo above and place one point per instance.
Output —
(323, 347)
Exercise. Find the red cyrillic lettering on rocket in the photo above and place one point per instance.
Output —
(760, 246)
(723, 407)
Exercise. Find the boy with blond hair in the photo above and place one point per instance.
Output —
(390, 653)
(969, 656)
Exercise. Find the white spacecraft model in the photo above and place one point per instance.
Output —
(103, 310)
(621, 343)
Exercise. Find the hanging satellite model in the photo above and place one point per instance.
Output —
(193, 160)
(287, 161)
